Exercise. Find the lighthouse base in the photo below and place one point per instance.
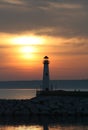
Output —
(62, 93)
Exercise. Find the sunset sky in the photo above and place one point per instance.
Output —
(31, 29)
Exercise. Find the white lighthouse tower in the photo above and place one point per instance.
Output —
(45, 85)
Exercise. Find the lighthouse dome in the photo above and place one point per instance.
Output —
(46, 57)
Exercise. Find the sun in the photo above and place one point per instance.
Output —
(27, 45)
(27, 52)
(27, 49)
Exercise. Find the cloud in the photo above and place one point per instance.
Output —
(52, 18)
(55, 46)
(64, 18)
(11, 2)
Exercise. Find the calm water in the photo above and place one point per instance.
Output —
(27, 89)
(55, 84)
(44, 123)
(17, 93)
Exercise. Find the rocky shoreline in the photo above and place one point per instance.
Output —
(49, 105)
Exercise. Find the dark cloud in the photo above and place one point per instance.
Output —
(66, 18)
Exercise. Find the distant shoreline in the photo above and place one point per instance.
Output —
(37, 84)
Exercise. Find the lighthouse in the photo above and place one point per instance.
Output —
(45, 86)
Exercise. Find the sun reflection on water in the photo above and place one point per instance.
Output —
(37, 127)
(23, 127)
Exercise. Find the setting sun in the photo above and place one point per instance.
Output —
(27, 45)
(27, 49)
(27, 52)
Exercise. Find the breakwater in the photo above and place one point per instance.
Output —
(49, 105)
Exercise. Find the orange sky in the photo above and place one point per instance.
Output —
(22, 57)
(30, 30)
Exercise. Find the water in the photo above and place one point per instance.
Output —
(55, 84)
(27, 89)
(17, 93)
(43, 123)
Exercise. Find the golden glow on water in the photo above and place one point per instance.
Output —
(23, 127)
(37, 127)
(17, 93)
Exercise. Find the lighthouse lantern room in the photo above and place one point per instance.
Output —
(45, 85)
